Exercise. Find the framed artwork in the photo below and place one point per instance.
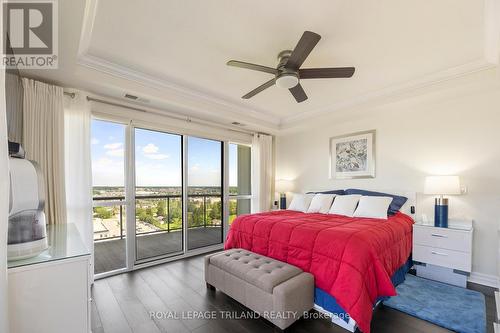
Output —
(353, 155)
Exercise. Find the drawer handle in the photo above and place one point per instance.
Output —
(439, 253)
(438, 235)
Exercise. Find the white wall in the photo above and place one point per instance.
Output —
(457, 132)
(4, 205)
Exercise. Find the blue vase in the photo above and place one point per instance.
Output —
(283, 202)
(441, 213)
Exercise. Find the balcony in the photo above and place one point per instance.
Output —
(158, 227)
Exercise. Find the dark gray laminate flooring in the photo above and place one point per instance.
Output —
(123, 304)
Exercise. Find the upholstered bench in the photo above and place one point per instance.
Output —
(277, 291)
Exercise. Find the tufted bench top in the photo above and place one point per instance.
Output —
(260, 271)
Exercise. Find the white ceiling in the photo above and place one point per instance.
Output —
(174, 53)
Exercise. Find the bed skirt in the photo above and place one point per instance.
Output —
(326, 303)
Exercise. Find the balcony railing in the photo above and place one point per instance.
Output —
(120, 201)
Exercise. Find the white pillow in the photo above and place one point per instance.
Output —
(373, 207)
(321, 203)
(345, 204)
(300, 202)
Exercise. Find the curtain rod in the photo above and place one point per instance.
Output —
(70, 94)
(187, 119)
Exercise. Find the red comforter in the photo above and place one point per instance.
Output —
(351, 258)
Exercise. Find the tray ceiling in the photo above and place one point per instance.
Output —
(180, 48)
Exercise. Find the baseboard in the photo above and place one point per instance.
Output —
(497, 302)
(484, 279)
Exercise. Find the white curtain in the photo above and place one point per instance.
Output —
(77, 117)
(4, 207)
(262, 172)
(43, 141)
(13, 84)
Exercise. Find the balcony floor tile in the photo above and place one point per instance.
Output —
(110, 254)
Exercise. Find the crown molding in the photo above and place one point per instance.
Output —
(490, 59)
(231, 109)
(492, 31)
(211, 103)
(234, 110)
(87, 26)
(394, 90)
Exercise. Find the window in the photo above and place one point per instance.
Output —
(239, 180)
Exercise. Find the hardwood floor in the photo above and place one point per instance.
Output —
(123, 304)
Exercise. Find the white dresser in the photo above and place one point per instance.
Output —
(444, 254)
(50, 293)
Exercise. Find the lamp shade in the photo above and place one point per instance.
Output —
(284, 185)
(442, 185)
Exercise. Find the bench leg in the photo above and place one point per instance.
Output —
(210, 287)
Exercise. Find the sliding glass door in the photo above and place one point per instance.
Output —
(204, 191)
(108, 179)
(158, 194)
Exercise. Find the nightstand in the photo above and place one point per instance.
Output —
(444, 254)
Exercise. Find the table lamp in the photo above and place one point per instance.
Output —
(442, 185)
(283, 186)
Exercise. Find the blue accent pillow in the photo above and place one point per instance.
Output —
(397, 200)
(337, 192)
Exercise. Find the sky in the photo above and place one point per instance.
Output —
(157, 158)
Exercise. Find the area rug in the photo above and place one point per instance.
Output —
(458, 309)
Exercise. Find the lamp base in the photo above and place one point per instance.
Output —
(283, 201)
(441, 213)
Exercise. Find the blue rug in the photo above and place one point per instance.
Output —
(451, 307)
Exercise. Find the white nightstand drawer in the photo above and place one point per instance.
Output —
(443, 238)
(442, 257)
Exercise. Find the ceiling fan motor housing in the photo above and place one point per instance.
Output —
(286, 78)
(283, 58)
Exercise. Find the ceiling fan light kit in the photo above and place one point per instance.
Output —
(288, 73)
(287, 80)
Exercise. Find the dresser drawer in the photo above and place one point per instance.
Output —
(442, 257)
(449, 239)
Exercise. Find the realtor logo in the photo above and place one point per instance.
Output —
(29, 36)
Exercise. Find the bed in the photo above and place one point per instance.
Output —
(353, 260)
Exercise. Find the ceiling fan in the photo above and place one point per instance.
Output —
(288, 72)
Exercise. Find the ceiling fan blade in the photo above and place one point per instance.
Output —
(259, 89)
(298, 93)
(254, 67)
(305, 45)
(325, 73)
